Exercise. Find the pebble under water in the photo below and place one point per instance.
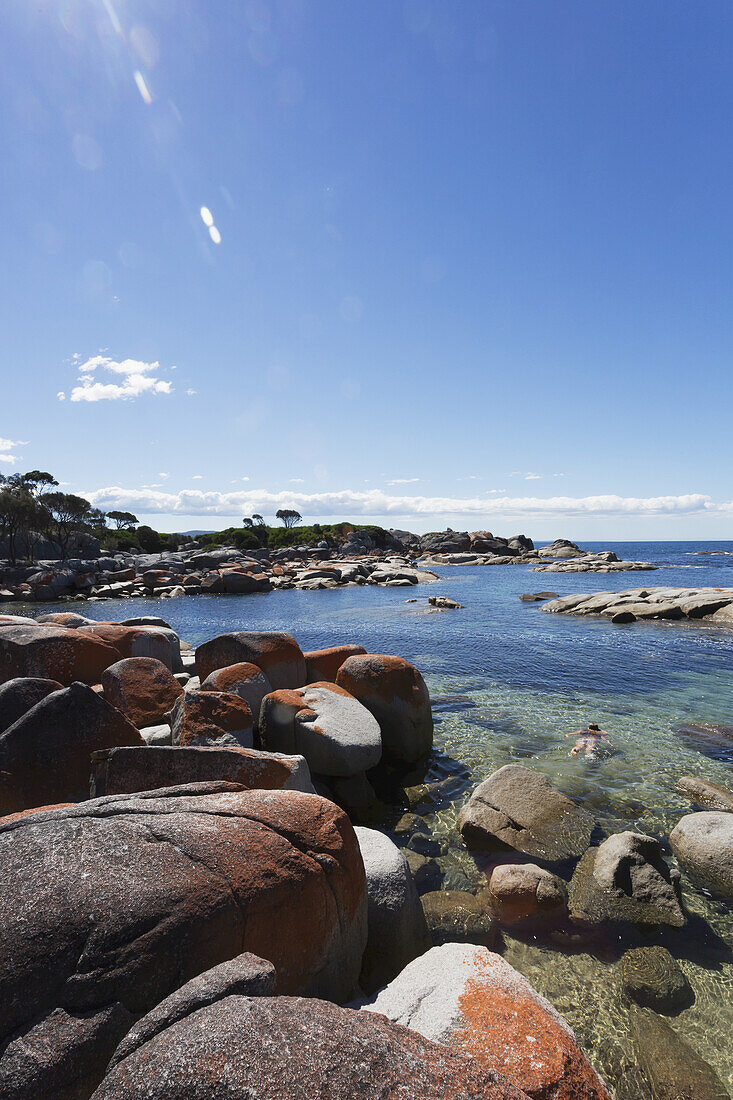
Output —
(507, 682)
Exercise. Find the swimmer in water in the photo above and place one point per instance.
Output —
(588, 739)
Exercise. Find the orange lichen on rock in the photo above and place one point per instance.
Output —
(507, 1029)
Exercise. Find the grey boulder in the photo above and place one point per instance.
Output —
(703, 843)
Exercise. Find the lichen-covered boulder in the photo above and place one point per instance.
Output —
(108, 907)
(396, 694)
(703, 843)
(133, 641)
(53, 653)
(518, 808)
(19, 695)
(326, 725)
(472, 1001)
(142, 688)
(211, 718)
(272, 1048)
(127, 770)
(243, 679)
(323, 664)
(276, 653)
(626, 879)
(45, 755)
(397, 929)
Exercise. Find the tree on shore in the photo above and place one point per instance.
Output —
(23, 510)
(68, 515)
(288, 516)
(259, 521)
(123, 521)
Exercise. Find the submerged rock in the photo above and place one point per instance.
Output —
(456, 916)
(674, 1070)
(471, 1000)
(652, 978)
(705, 793)
(518, 808)
(626, 879)
(703, 843)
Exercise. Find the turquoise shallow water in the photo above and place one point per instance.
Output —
(507, 682)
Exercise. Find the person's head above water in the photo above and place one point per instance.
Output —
(593, 728)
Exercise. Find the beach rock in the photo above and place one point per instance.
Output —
(323, 664)
(211, 718)
(277, 654)
(518, 808)
(65, 618)
(272, 1048)
(704, 793)
(395, 693)
(157, 735)
(245, 680)
(674, 1070)
(356, 795)
(426, 873)
(524, 891)
(54, 653)
(397, 930)
(326, 725)
(45, 755)
(142, 688)
(703, 843)
(472, 1001)
(19, 695)
(455, 916)
(121, 900)
(246, 975)
(653, 979)
(133, 641)
(127, 770)
(626, 879)
(444, 603)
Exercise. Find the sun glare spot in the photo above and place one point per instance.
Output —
(142, 87)
(206, 216)
(215, 234)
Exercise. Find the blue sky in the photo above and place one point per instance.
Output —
(467, 262)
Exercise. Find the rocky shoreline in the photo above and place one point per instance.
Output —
(229, 571)
(709, 605)
(212, 861)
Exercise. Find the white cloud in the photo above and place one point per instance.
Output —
(197, 477)
(403, 480)
(297, 480)
(137, 378)
(375, 502)
(7, 446)
(533, 477)
(163, 476)
(190, 393)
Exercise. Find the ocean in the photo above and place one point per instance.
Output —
(507, 682)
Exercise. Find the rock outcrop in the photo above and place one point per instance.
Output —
(45, 755)
(626, 879)
(322, 722)
(54, 653)
(396, 694)
(396, 923)
(19, 695)
(270, 1048)
(276, 653)
(471, 1000)
(211, 718)
(128, 770)
(108, 907)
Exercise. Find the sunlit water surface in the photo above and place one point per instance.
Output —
(507, 682)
